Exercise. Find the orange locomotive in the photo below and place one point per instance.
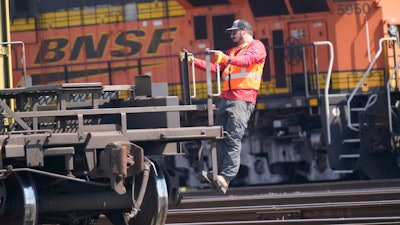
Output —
(327, 104)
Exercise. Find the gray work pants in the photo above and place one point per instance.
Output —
(233, 115)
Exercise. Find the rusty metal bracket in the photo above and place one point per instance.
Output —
(120, 160)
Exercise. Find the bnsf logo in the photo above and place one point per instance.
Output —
(57, 49)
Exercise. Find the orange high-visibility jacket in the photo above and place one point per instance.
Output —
(238, 75)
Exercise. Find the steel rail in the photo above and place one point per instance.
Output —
(293, 198)
(287, 212)
(287, 188)
(348, 221)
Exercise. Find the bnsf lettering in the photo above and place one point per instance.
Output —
(51, 50)
(157, 39)
(123, 39)
(55, 49)
(91, 52)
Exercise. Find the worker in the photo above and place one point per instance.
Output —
(242, 68)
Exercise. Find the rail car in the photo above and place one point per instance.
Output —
(328, 106)
(74, 151)
(71, 152)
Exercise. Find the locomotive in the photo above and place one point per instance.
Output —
(86, 119)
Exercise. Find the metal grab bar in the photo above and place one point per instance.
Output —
(218, 81)
(218, 73)
(327, 84)
(185, 58)
(22, 59)
(193, 78)
(188, 54)
(388, 95)
(349, 124)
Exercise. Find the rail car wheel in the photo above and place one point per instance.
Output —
(153, 210)
(18, 200)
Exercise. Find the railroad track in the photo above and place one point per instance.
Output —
(362, 202)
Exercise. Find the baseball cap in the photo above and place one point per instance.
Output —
(239, 24)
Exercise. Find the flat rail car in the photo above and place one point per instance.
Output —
(66, 161)
(74, 151)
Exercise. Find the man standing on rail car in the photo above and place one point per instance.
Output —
(242, 68)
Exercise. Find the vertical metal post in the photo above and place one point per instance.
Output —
(6, 80)
(326, 90)
(209, 89)
(139, 65)
(6, 76)
(66, 74)
(110, 81)
(316, 70)
(395, 47)
(303, 50)
(210, 110)
(185, 81)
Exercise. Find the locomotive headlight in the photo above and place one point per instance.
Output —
(393, 30)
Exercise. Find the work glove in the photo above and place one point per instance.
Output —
(221, 58)
(190, 56)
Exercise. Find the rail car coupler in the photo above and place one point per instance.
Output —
(120, 160)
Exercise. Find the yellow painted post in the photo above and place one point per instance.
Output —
(6, 80)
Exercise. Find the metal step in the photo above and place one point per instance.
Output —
(357, 109)
(342, 171)
(352, 140)
(349, 156)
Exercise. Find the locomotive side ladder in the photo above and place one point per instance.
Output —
(358, 120)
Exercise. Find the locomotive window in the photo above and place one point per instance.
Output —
(393, 31)
(200, 27)
(268, 8)
(309, 6)
(221, 39)
(20, 9)
(197, 3)
(22, 5)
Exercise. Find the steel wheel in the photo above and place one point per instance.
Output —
(155, 204)
(20, 200)
(153, 210)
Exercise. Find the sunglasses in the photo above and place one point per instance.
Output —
(233, 32)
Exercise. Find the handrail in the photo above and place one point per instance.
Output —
(23, 57)
(209, 89)
(193, 77)
(349, 124)
(327, 84)
(388, 95)
(218, 81)
(218, 77)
